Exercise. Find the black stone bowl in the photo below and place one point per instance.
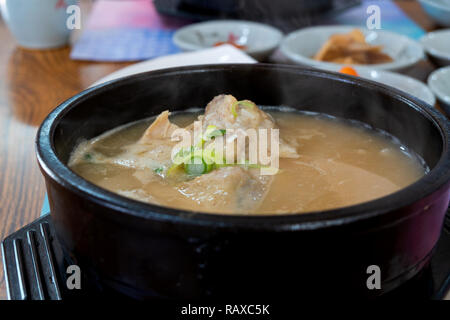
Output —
(147, 251)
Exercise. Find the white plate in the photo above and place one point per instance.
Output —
(398, 81)
(260, 39)
(217, 55)
(300, 46)
(437, 46)
(439, 83)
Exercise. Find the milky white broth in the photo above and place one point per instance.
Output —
(340, 163)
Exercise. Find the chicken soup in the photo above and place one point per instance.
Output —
(312, 162)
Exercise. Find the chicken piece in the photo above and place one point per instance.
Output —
(219, 113)
(154, 148)
(227, 190)
(153, 155)
(161, 128)
(152, 151)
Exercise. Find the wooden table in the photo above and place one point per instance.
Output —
(31, 84)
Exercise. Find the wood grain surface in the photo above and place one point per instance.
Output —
(32, 83)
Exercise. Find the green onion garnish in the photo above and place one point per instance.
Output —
(158, 170)
(196, 166)
(245, 103)
(212, 132)
(173, 168)
(233, 109)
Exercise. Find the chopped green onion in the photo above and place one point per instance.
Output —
(210, 167)
(209, 156)
(233, 109)
(158, 170)
(218, 133)
(245, 103)
(87, 157)
(183, 155)
(212, 132)
(173, 168)
(196, 166)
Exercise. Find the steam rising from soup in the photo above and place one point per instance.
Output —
(324, 162)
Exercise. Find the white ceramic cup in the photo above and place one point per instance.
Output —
(37, 24)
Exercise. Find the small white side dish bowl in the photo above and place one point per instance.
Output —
(437, 45)
(439, 83)
(401, 82)
(438, 10)
(301, 45)
(259, 39)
